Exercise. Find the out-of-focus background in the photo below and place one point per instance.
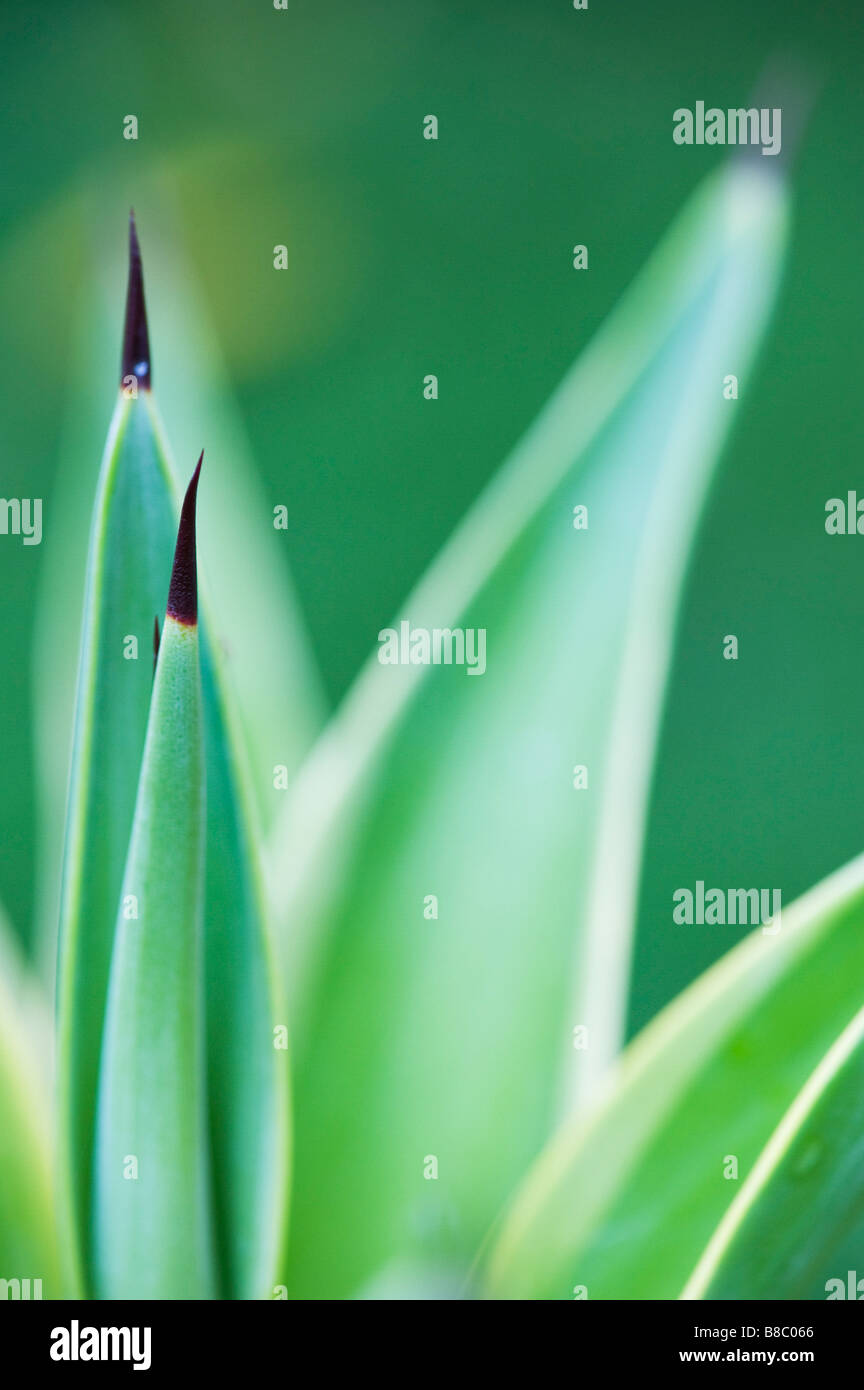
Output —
(303, 127)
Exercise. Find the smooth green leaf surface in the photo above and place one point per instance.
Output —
(152, 1216)
(797, 1222)
(433, 781)
(131, 545)
(624, 1202)
(247, 1065)
(136, 525)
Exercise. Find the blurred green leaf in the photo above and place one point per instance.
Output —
(28, 1230)
(452, 1038)
(800, 1212)
(624, 1202)
(151, 1211)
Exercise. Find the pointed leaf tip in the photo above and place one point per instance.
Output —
(136, 341)
(183, 593)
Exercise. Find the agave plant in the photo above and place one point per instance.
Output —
(172, 1095)
(435, 902)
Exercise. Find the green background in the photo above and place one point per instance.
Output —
(304, 127)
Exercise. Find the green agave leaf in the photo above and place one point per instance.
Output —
(247, 1062)
(57, 631)
(132, 542)
(451, 1038)
(253, 613)
(623, 1202)
(28, 1233)
(152, 1217)
(799, 1215)
(130, 555)
(253, 597)
(248, 683)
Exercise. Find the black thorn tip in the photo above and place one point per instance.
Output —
(136, 341)
(155, 640)
(183, 593)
